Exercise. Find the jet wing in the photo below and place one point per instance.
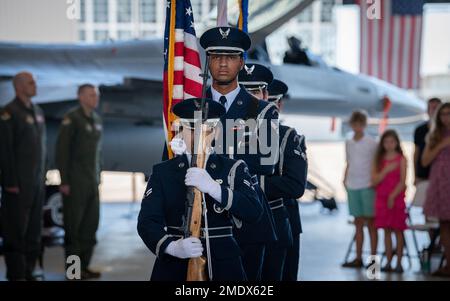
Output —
(326, 91)
(60, 69)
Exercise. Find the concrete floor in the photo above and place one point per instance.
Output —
(121, 255)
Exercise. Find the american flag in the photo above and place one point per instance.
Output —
(391, 46)
(182, 66)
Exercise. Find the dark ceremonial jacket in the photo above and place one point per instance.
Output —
(162, 215)
(245, 107)
(287, 184)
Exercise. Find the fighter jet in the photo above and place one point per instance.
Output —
(129, 75)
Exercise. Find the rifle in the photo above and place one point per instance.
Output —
(197, 266)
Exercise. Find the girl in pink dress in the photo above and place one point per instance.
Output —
(388, 178)
(437, 202)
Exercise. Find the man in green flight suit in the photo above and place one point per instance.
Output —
(78, 161)
(22, 164)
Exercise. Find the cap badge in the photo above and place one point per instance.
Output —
(224, 33)
(249, 70)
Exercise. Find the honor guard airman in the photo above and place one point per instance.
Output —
(78, 160)
(228, 193)
(224, 48)
(23, 152)
(283, 189)
(256, 78)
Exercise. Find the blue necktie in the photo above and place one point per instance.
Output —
(223, 100)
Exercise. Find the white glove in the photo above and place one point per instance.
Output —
(201, 179)
(178, 146)
(185, 248)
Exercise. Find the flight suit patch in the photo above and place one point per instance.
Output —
(5, 116)
(66, 121)
(29, 119)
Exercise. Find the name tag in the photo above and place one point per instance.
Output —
(29, 119)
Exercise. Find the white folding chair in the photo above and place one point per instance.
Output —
(429, 226)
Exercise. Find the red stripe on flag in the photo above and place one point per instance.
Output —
(418, 54)
(178, 77)
(179, 49)
(192, 87)
(175, 101)
(400, 51)
(391, 50)
(362, 35)
(192, 57)
(410, 84)
(380, 42)
(165, 98)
